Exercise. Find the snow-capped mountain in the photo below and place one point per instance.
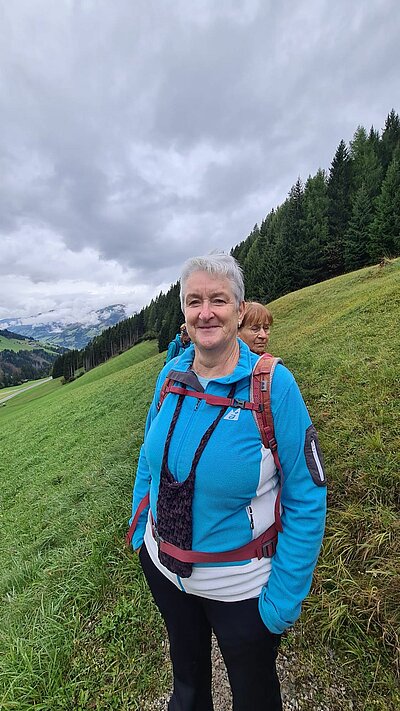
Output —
(65, 332)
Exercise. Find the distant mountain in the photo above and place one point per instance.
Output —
(63, 333)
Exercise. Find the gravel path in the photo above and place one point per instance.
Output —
(23, 390)
(300, 692)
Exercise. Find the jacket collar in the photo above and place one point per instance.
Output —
(243, 368)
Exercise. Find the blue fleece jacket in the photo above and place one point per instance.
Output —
(176, 348)
(228, 479)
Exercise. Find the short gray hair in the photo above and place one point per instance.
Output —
(217, 264)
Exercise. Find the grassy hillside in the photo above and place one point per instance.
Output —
(133, 355)
(24, 344)
(77, 627)
(17, 344)
(66, 477)
(22, 359)
(341, 340)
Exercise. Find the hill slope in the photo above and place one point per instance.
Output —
(22, 358)
(15, 342)
(77, 625)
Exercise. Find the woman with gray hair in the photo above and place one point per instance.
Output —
(206, 498)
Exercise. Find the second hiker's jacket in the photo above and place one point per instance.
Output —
(176, 348)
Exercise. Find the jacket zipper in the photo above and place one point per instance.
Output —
(317, 460)
(187, 428)
(250, 515)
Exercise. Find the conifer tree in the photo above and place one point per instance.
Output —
(356, 242)
(258, 277)
(163, 337)
(338, 208)
(255, 254)
(315, 230)
(374, 139)
(241, 250)
(385, 228)
(390, 139)
(271, 274)
(366, 167)
(289, 243)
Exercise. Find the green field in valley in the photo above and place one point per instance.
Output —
(16, 344)
(77, 626)
(22, 344)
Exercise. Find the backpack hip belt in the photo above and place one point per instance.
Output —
(263, 546)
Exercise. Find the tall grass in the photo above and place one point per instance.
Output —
(77, 627)
(70, 593)
(341, 340)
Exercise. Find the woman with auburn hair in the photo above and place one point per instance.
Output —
(255, 326)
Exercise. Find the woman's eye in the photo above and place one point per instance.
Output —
(218, 302)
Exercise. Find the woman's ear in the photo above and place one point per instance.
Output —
(241, 309)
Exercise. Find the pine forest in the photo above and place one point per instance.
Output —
(334, 222)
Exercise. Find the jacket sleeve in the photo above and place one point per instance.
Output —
(303, 504)
(143, 477)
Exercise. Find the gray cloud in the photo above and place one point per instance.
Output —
(136, 134)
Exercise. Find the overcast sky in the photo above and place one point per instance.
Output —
(137, 133)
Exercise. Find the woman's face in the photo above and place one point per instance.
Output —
(256, 336)
(211, 313)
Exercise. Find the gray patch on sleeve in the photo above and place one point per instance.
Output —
(314, 458)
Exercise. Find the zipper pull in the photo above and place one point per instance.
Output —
(317, 460)
(250, 511)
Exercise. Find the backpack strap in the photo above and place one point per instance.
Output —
(186, 377)
(142, 505)
(210, 399)
(263, 546)
(260, 393)
(164, 391)
(189, 378)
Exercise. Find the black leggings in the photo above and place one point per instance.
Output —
(248, 648)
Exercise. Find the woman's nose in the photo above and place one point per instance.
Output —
(262, 333)
(206, 311)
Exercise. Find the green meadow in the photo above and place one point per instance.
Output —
(21, 344)
(16, 344)
(78, 629)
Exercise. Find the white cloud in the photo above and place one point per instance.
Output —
(39, 274)
(137, 134)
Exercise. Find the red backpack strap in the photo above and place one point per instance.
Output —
(169, 387)
(142, 506)
(185, 377)
(260, 393)
(163, 392)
